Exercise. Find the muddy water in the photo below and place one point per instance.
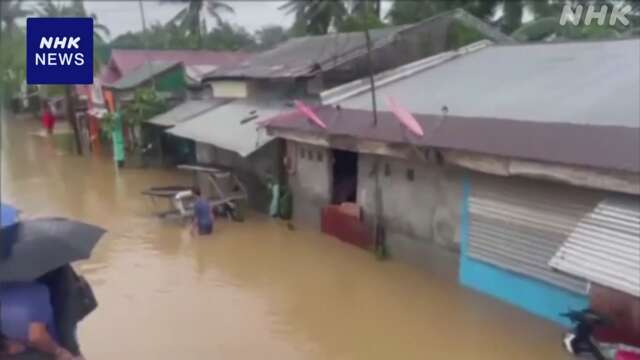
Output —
(255, 290)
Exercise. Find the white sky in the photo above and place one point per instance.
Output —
(123, 16)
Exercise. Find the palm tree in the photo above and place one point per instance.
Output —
(10, 12)
(317, 16)
(52, 8)
(191, 18)
(365, 7)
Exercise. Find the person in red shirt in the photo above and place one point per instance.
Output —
(48, 120)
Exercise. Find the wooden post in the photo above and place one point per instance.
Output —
(71, 117)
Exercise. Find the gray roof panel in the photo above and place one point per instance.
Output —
(185, 111)
(593, 83)
(234, 126)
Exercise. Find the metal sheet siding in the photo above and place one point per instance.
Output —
(519, 225)
(604, 247)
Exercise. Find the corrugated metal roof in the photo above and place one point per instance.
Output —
(605, 246)
(594, 83)
(123, 61)
(299, 56)
(185, 111)
(233, 126)
(304, 56)
(143, 73)
(605, 147)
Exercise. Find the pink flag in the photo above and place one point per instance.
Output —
(405, 117)
(309, 113)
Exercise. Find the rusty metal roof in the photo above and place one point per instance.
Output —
(304, 56)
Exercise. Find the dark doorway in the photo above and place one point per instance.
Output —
(345, 176)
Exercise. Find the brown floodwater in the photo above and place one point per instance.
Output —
(253, 290)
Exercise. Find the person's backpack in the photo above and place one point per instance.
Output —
(87, 300)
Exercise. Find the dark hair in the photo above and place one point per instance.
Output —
(196, 191)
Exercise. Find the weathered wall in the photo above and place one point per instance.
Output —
(253, 170)
(309, 180)
(421, 216)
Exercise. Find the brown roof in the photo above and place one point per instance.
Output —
(605, 147)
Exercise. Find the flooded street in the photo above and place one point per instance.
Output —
(254, 290)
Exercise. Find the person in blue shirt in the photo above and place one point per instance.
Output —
(202, 214)
(26, 320)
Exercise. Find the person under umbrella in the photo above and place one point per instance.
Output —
(34, 268)
(27, 320)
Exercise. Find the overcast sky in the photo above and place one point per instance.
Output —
(122, 16)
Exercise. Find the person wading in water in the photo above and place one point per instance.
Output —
(48, 119)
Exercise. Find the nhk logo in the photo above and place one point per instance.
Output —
(575, 15)
(59, 50)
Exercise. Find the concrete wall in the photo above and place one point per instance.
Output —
(309, 181)
(421, 216)
(253, 171)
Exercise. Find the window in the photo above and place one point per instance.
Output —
(410, 174)
(319, 156)
(387, 169)
(301, 152)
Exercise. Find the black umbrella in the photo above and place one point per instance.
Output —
(32, 248)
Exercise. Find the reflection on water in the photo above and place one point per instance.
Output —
(255, 290)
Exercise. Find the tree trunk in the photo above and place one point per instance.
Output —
(71, 117)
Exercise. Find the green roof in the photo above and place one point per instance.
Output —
(142, 74)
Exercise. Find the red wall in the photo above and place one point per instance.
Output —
(345, 226)
(623, 310)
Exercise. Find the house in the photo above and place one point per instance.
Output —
(300, 69)
(525, 185)
(124, 61)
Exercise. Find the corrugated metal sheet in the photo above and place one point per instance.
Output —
(143, 73)
(233, 126)
(604, 247)
(490, 83)
(302, 56)
(185, 111)
(124, 61)
(519, 225)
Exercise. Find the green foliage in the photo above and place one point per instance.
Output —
(460, 35)
(316, 17)
(145, 104)
(10, 12)
(190, 21)
(12, 63)
(171, 36)
(228, 37)
(361, 22)
(270, 36)
(107, 124)
(410, 11)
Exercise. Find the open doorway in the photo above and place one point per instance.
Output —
(345, 176)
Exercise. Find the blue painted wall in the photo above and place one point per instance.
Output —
(538, 297)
